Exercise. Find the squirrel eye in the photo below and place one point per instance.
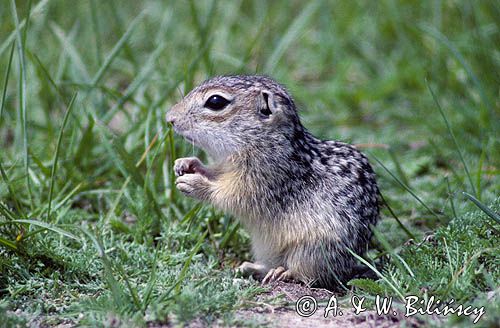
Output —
(216, 102)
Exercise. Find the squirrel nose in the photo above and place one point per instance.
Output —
(174, 113)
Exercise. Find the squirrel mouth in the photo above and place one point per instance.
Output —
(186, 135)
(188, 138)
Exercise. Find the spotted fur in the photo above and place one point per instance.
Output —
(304, 201)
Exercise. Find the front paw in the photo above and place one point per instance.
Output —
(194, 185)
(187, 165)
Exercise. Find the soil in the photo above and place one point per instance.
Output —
(277, 308)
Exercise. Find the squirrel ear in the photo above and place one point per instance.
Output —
(267, 105)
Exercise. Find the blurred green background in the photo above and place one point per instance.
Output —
(89, 220)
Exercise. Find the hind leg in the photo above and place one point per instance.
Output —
(278, 274)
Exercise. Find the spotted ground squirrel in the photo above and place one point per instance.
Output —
(304, 201)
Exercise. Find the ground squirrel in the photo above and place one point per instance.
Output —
(304, 201)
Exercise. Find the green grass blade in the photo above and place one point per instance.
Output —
(122, 158)
(132, 290)
(182, 274)
(408, 189)
(6, 82)
(228, 235)
(157, 151)
(56, 155)
(400, 263)
(139, 81)
(450, 195)
(115, 12)
(171, 174)
(113, 207)
(204, 31)
(483, 207)
(26, 28)
(116, 289)
(5, 211)
(70, 48)
(399, 169)
(480, 170)
(467, 265)
(170, 91)
(8, 244)
(97, 31)
(36, 10)
(68, 196)
(12, 194)
(128, 168)
(378, 273)
(38, 162)
(46, 72)
(450, 131)
(444, 40)
(401, 225)
(22, 99)
(151, 283)
(291, 35)
(86, 143)
(116, 49)
(64, 55)
(254, 43)
(50, 227)
(191, 214)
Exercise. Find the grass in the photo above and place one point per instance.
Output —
(92, 230)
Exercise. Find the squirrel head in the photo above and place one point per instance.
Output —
(226, 115)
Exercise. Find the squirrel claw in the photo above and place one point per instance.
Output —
(277, 274)
(187, 165)
(191, 165)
